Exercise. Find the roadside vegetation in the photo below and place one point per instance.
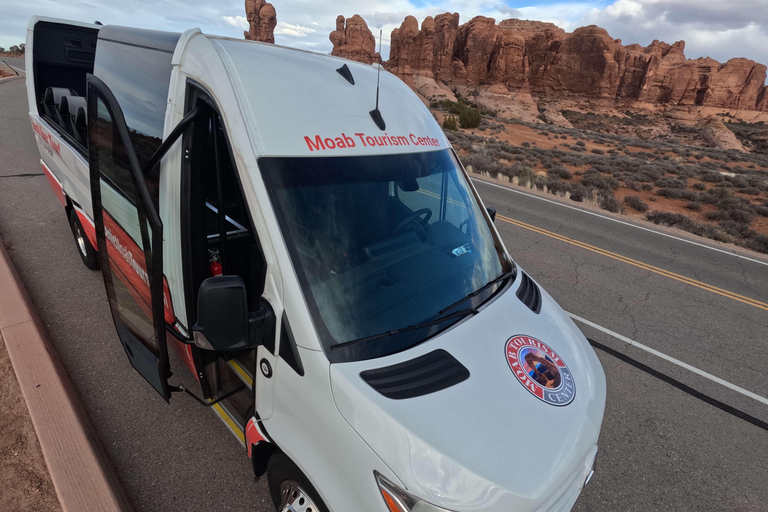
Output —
(718, 194)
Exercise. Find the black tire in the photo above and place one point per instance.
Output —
(84, 248)
(281, 470)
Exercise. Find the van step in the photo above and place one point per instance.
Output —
(241, 371)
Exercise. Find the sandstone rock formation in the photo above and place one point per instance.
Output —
(353, 40)
(262, 19)
(714, 132)
(529, 61)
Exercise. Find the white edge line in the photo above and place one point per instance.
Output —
(672, 360)
(620, 221)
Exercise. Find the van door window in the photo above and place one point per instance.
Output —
(129, 235)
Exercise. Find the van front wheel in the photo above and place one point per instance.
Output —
(289, 487)
(84, 248)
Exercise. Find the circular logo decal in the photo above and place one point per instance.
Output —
(540, 370)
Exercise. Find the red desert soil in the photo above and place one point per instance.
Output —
(24, 481)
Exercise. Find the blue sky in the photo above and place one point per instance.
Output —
(721, 29)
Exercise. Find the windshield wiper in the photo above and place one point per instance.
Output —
(457, 314)
(512, 273)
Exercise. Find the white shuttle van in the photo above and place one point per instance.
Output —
(323, 266)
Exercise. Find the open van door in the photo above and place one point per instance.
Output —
(130, 238)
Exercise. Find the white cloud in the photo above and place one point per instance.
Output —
(287, 29)
(719, 29)
(237, 21)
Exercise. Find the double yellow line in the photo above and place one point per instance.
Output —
(639, 264)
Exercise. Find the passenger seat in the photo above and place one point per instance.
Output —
(67, 110)
(52, 100)
(80, 127)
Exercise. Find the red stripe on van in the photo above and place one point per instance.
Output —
(89, 228)
(252, 435)
(55, 185)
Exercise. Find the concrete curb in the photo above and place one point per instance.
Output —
(82, 476)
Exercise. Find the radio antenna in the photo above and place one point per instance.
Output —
(375, 113)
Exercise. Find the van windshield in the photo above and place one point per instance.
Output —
(381, 243)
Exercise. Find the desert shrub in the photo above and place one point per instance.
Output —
(742, 216)
(482, 161)
(579, 192)
(670, 183)
(556, 186)
(712, 177)
(762, 210)
(523, 172)
(694, 205)
(526, 144)
(757, 242)
(682, 222)
(598, 151)
(560, 171)
(609, 202)
(580, 143)
(647, 186)
(595, 179)
(636, 203)
(752, 191)
(449, 123)
(470, 118)
(735, 229)
(699, 186)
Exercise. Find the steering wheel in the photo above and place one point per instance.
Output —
(426, 212)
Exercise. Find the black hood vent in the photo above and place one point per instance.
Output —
(421, 376)
(529, 293)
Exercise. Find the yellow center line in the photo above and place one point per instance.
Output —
(437, 196)
(640, 264)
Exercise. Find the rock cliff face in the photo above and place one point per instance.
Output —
(353, 40)
(530, 60)
(262, 19)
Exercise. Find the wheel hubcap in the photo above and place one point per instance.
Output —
(80, 240)
(294, 499)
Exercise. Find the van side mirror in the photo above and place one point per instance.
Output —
(492, 213)
(223, 322)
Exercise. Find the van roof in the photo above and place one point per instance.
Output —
(153, 39)
(296, 103)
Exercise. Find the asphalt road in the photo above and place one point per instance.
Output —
(661, 448)
(12, 61)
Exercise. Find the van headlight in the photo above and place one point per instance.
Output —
(398, 500)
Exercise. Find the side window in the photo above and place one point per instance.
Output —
(427, 195)
(126, 232)
(144, 101)
(456, 211)
(437, 192)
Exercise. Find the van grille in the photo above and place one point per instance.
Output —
(421, 376)
(529, 293)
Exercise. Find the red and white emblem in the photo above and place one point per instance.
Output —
(540, 370)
